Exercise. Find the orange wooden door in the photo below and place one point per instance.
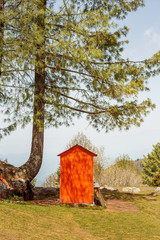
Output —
(76, 181)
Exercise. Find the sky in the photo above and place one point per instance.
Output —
(144, 41)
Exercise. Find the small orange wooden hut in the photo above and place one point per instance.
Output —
(76, 175)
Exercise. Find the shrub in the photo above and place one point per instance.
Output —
(115, 176)
(123, 173)
(53, 180)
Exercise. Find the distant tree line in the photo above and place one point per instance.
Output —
(124, 172)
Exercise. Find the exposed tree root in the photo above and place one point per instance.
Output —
(16, 183)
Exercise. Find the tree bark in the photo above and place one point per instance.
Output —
(19, 178)
(1, 33)
(30, 169)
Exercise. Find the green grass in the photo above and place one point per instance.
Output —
(26, 221)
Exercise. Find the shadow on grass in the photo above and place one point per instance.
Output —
(107, 194)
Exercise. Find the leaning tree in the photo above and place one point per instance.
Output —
(59, 64)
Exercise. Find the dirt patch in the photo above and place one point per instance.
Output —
(118, 205)
(45, 202)
(113, 205)
(115, 201)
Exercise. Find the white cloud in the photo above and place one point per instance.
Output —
(152, 36)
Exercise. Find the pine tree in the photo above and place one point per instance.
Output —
(151, 165)
(156, 179)
(19, 87)
(59, 64)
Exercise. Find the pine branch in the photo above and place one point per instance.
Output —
(76, 109)
(69, 70)
(79, 101)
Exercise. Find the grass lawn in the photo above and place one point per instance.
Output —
(26, 221)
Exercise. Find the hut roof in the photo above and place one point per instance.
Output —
(77, 147)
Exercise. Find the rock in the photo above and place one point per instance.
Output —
(96, 185)
(157, 189)
(42, 192)
(4, 191)
(39, 193)
(135, 190)
(126, 189)
(131, 190)
(108, 188)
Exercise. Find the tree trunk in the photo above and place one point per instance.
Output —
(20, 178)
(1, 33)
(30, 169)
